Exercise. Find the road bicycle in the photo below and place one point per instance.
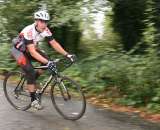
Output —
(66, 94)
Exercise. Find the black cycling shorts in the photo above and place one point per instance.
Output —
(25, 62)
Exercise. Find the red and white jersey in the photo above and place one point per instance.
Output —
(31, 34)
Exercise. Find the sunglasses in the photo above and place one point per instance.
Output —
(43, 21)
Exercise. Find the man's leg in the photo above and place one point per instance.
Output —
(24, 62)
(31, 79)
(31, 85)
(32, 89)
(40, 71)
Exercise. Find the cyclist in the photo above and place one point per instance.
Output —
(26, 49)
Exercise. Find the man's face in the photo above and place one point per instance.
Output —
(41, 24)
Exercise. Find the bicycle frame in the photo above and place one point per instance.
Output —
(41, 91)
(56, 77)
(51, 77)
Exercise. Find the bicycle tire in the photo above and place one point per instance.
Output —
(9, 84)
(69, 116)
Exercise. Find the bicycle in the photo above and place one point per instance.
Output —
(63, 91)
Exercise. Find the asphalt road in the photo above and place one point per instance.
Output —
(48, 119)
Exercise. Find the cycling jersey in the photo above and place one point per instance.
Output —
(32, 36)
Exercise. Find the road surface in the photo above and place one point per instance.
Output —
(48, 119)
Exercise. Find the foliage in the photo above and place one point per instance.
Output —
(128, 21)
(6, 61)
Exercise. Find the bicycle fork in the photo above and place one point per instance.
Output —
(63, 90)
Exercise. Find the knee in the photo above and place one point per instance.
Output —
(31, 77)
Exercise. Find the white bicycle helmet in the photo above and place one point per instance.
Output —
(43, 15)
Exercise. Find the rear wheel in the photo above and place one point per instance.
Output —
(68, 98)
(16, 91)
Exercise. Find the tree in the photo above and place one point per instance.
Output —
(128, 20)
(156, 19)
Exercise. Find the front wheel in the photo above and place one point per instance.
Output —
(68, 98)
(16, 92)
